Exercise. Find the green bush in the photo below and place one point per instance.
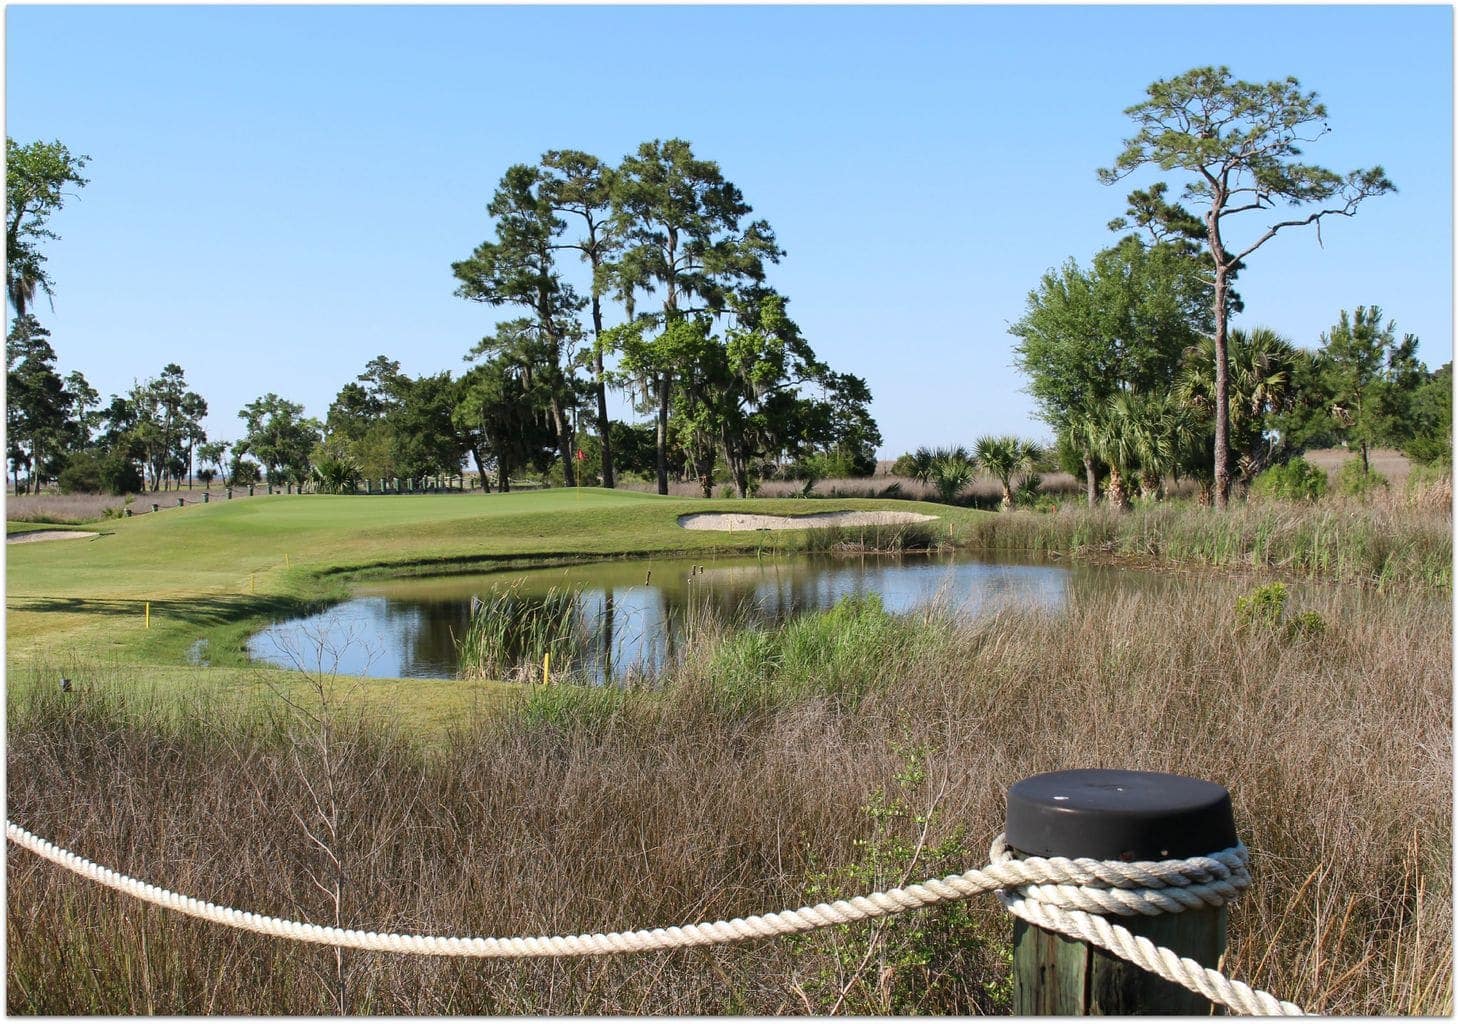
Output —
(1354, 481)
(1265, 609)
(92, 472)
(1295, 480)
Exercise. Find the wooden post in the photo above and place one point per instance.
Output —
(205, 497)
(154, 506)
(1115, 815)
(250, 490)
(180, 502)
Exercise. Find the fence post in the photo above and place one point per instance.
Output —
(1115, 815)
(205, 497)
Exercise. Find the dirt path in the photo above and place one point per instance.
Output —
(743, 521)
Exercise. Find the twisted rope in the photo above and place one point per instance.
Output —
(1057, 893)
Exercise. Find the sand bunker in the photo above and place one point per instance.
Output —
(745, 521)
(26, 538)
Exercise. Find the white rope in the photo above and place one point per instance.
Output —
(1056, 893)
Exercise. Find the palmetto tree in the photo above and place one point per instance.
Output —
(950, 470)
(1116, 440)
(1003, 457)
(1262, 365)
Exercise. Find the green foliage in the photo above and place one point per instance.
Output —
(1372, 379)
(1008, 455)
(1294, 480)
(1264, 610)
(841, 652)
(1355, 480)
(914, 963)
(1239, 146)
(905, 465)
(36, 180)
(950, 470)
(509, 635)
(100, 472)
(280, 436)
(1430, 427)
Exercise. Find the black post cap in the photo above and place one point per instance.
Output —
(1110, 814)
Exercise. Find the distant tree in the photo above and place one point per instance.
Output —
(36, 404)
(1430, 438)
(279, 435)
(1262, 369)
(83, 398)
(1005, 456)
(950, 471)
(680, 222)
(517, 268)
(214, 454)
(36, 179)
(1121, 326)
(581, 185)
(1372, 376)
(496, 416)
(1239, 144)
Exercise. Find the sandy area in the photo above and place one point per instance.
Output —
(26, 538)
(744, 521)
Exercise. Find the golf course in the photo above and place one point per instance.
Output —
(144, 591)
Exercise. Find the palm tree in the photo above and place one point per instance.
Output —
(1116, 441)
(1261, 367)
(950, 470)
(1004, 456)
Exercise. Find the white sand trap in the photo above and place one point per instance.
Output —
(745, 521)
(26, 538)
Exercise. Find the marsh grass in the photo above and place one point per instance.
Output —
(1381, 542)
(762, 772)
(510, 635)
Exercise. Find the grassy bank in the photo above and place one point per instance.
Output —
(849, 751)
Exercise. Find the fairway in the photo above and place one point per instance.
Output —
(149, 589)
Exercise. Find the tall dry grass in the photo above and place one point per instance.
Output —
(584, 810)
(1403, 538)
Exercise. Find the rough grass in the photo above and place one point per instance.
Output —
(571, 811)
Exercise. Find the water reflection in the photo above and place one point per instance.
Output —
(638, 609)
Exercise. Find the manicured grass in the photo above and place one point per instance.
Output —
(217, 572)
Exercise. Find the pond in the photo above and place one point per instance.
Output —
(637, 609)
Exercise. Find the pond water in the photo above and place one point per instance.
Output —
(637, 608)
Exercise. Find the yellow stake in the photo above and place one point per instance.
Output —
(146, 614)
(286, 559)
(546, 660)
(250, 583)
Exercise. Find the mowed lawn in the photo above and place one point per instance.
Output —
(216, 572)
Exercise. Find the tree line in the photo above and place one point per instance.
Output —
(1131, 359)
(648, 277)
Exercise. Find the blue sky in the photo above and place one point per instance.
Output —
(277, 193)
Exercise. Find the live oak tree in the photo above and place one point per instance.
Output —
(279, 435)
(1238, 143)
